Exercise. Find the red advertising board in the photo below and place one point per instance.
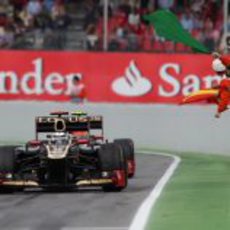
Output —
(108, 77)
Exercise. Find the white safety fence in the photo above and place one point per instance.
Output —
(179, 128)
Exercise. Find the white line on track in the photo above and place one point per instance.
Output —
(140, 219)
(96, 228)
(79, 228)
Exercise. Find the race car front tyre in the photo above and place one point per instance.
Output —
(127, 146)
(112, 160)
(7, 159)
(7, 167)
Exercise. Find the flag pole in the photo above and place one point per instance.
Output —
(105, 30)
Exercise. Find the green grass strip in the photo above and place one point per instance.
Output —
(197, 197)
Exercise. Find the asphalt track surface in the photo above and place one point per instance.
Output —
(90, 209)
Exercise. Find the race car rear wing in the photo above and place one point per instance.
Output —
(96, 122)
(96, 129)
(47, 124)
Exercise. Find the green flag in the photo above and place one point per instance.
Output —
(167, 25)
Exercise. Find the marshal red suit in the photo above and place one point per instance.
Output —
(224, 95)
(224, 88)
(225, 60)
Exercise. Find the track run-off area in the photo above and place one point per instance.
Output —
(90, 209)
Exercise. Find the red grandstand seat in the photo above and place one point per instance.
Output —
(146, 44)
(99, 27)
(158, 46)
(169, 46)
(181, 48)
(112, 24)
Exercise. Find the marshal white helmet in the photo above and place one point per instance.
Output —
(218, 66)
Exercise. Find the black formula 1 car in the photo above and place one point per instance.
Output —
(67, 153)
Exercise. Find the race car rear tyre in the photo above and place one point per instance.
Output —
(112, 160)
(128, 149)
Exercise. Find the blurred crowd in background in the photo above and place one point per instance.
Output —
(78, 24)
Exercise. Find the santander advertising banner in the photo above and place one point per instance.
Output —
(107, 77)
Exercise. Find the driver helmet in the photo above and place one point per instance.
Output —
(218, 66)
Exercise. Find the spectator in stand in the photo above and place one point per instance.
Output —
(208, 24)
(49, 4)
(187, 20)
(114, 44)
(166, 4)
(43, 20)
(92, 15)
(210, 9)
(19, 25)
(9, 37)
(210, 35)
(3, 14)
(198, 21)
(8, 8)
(113, 4)
(19, 4)
(34, 7)
(57, 10)
(121, 36)
(92, 38)
(26, 18)
(134, 17)
(6, 37)
(197, 6)
(133, 41)
(144, 4)
(120, 32)
(125, 7)
(204, 20)
(59, 16)
(135, 3)
(2, 37)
